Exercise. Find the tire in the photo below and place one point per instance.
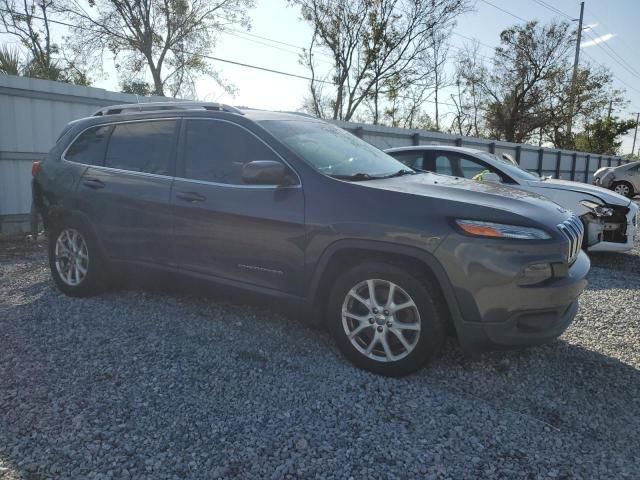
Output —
(623, 188)
(70, 237)
(424, 309)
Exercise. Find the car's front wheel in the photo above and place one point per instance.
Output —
(385, 319)
(623, 188)
(75, 262)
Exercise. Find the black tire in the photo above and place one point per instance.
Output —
(94, 280)
(630, 193)
(427, 301)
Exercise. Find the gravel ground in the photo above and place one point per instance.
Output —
(152, 385)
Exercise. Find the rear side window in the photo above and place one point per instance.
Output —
(142, 147)
(443, 165)
(216, 151)
(90, 146)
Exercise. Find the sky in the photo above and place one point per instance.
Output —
(277, 35)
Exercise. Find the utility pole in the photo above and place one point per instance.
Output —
(575, 70)
(609, 112)
(633, 149)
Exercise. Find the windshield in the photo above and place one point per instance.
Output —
(333, 151)
(514, 171)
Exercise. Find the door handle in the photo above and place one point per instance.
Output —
(190, 197)
(93, 183)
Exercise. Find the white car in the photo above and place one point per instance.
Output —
(624, 179)
(609, 218)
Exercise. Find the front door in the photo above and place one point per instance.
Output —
(223, 228)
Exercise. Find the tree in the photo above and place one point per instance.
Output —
(594, 96)
(137, 88)
(374, 46)
(529, 58)
(603, 135)
(469, 100)
(30, 22)
(9, 60)
(165, 39)
(527, 91)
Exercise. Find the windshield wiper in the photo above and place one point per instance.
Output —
(356, 177)
(400, 173)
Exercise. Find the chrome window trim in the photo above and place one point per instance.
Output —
(63, 157)
(206, 182)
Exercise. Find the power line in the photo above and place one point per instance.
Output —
(602, 46)
(553, 9)
(504, 11)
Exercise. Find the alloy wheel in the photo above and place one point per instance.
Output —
(622, 189)
(71, 257)
(381, 320)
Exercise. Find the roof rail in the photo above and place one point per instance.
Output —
(160, 106)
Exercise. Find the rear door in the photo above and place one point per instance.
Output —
(126, 193)
(224, 228)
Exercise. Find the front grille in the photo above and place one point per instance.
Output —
(573, 230)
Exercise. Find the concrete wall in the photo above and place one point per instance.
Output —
(33, 112)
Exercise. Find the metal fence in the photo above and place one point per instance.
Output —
(33, 112)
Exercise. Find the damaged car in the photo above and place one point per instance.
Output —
(609, 218)
(624, 180)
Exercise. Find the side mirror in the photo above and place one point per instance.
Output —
(491, 177)
(265, 172)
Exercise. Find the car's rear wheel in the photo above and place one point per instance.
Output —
(623, 188)
(75, 262)
(386, 320)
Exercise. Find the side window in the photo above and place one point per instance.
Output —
(443, 165)
(90, 146)
(410, 159)
(216, 151)
(469, 168)
(142, 147)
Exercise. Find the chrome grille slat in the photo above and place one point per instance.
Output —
(573, 231)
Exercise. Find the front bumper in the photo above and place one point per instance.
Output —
(496, 310)
(630, 232)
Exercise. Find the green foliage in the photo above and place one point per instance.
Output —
(602, 136)
(137, 88)
(9, 60)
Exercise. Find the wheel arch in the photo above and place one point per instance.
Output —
(345, 253)
(58, 216)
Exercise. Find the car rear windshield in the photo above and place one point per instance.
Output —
(332, 150)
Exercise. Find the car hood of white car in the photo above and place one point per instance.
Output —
(606, 196)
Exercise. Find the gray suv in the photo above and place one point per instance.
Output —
(388, 258)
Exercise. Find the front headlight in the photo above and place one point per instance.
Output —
(501, 230)
(599, 210)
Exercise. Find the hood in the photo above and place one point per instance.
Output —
(606, 196)
(496, 196)
(602, 170)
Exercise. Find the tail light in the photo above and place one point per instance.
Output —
(35, 168)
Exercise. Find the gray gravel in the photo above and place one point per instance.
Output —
(143, 384)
